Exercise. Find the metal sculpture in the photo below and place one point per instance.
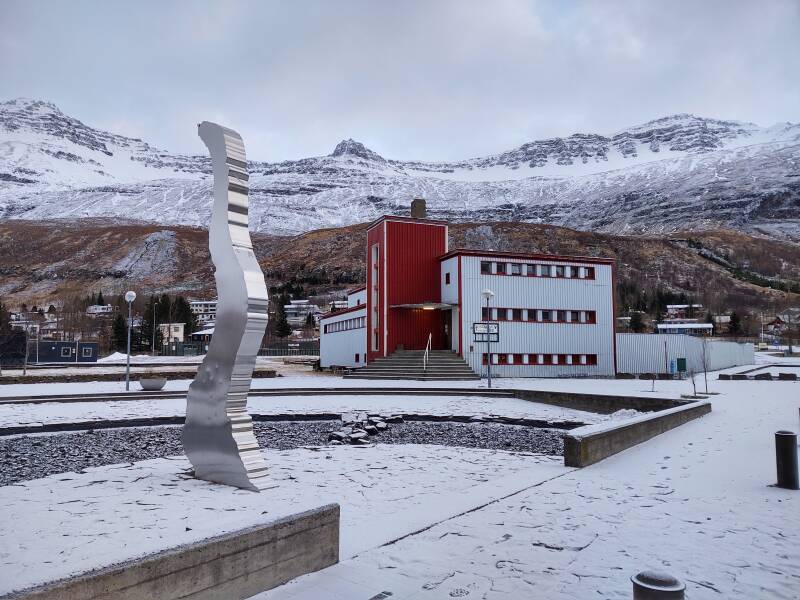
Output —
(218, 435)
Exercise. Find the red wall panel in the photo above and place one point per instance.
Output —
(413, 278)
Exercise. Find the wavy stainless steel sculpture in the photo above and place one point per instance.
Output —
(218, 435)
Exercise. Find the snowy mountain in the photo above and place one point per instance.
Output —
(675, 173)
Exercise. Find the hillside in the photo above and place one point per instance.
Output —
(677, 173)
(46, 261)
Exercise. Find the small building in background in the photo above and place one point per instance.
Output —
(683, 311)
(171, 332)
(59, 352)
(337, 305)
(686, 328)
(100, 310)
(297, 312)
(205, 311)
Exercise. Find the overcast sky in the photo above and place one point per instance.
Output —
(427, 79)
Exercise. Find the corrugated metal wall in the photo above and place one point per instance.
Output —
(413, 277)
(550, 338)
(652, 353)
(339, 348)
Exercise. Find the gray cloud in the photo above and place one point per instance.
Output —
(435, 79)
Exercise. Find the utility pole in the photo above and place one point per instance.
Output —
(487, 294)
(153, 348)
(129, 298)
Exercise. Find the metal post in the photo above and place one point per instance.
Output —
(488, 343)
(654, 585)
(128, 356)
(25, 367)
(153, 347)
(786, 460)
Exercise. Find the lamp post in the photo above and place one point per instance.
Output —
(153, 346)
(129, 298)
(487, 295)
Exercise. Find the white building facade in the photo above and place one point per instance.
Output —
(554, 314)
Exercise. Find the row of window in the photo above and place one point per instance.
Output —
(489, 267)
(346, 325)
(535, 315)
(542, 359)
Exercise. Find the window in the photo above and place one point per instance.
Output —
(530, 270)
(561, 316)
(572, 272)
(447, 278)
(501, 314)
(560, 270)
(589, 272)
(516, 314)
(486, 267)
(66, 352)
(591, 317)
(86, 352)
(515, 269)
(591, 359)
(485, 313)
(546, 316)
(358, 356)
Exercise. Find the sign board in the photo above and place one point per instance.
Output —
(486, 331)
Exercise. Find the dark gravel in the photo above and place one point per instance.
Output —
(33, 456)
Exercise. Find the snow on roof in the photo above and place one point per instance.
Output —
(684, 326)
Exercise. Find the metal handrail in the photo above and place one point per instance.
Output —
(427, 352)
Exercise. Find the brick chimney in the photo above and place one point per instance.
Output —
(419, 209)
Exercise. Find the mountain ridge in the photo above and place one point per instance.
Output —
(680, 172)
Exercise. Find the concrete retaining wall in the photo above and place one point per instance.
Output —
(233, 566)
(599, 403)
(587, 445)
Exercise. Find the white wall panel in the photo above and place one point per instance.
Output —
(340, 348)
(652, 353)
(548, 338)
(450, 291)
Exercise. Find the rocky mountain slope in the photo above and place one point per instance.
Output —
(672, 174)
(51, 260)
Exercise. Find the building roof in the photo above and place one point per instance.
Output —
(684, 326)
(355, 290)
(523, 256)
(405, 220)
(343, 311)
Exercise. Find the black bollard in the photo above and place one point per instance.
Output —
(656, 585)
(786, 460)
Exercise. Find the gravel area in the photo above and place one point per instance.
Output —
(34, 456)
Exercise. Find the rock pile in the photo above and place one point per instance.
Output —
(358, 428)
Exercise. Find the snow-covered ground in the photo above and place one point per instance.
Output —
(695, 501)
(468, 406)
(68, 523)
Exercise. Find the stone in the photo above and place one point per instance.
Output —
(371, 429)
(787, 376)
(358, 435)
(763, 376)
(381, 426)
(363, 441)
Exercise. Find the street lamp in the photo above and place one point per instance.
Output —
(129, 298)
(153, 348)
(487, 295)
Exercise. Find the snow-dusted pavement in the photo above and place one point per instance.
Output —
(468, 406)
(68, 523)
(695, 501)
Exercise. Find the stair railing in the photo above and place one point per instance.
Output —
(427, 352)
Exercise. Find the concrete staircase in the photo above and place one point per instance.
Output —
(443, 365)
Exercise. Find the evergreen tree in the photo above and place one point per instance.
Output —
(100, 300)
(51, 309)
(735, 326)
(310, 322)
(183, 314)
(282, 327)
(637, 324)
(5, 319)
(119, 334)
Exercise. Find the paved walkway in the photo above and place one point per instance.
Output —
(694, 501)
